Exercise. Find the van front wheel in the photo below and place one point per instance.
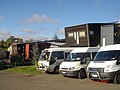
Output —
(56, 70)
(82, 74)
(117, 78)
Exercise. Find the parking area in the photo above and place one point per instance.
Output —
(13, 81)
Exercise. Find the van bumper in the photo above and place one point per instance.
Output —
(69, 73)
(101, 76)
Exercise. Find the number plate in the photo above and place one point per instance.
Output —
(63, 72)
(94, 75)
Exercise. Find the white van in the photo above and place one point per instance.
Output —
(77, 61)
(51, 58)
(106, 64)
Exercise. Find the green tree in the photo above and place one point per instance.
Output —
(10, 40)
(35, 52)
(55, 37)
(2, 54)
(3, 44)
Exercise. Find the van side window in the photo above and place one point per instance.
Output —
(118, 56)
(57, 54)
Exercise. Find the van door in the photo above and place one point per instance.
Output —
(86, 58)
(89, 56)
(56, 57)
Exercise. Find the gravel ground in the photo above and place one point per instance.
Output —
(13, 81)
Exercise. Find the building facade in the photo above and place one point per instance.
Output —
(83, 35)
(110, 34)
(90, 34)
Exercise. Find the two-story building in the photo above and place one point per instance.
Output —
(88, 34)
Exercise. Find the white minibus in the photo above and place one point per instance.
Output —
(77, 61)
(51, 58)
(106, 64)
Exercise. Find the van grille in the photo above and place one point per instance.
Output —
(96, 70)
(64, 68)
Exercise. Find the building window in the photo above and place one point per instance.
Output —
(82, 34)
(91, 33)
(70, 35)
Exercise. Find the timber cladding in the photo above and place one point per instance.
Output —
(84, 35)
(76, 35)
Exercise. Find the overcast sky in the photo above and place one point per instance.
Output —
(41, 19)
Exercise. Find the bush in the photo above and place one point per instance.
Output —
(2, 54)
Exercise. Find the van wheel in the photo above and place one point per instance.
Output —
(82, 74)
(56, 70)
(117, 78)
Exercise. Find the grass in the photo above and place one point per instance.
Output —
(28, 70)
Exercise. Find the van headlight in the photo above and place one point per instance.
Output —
(107, 68)
(71, 68)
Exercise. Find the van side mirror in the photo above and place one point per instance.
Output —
(118, 61)
(83, 61)
(56, 58)
(53, 58)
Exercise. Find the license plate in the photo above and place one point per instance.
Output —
(94, 75)
(63, 72)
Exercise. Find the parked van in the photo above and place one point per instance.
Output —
(77, 61)
(51, 58)
(106, 64)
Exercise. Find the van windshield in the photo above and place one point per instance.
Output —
(75, 56)
(44, 55)
(106, 55)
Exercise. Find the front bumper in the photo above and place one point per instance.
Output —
(101, 75)
(42, 68)
(69, 73)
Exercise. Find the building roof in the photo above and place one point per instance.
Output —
(91, 24)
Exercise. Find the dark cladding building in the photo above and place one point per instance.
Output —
(110, 34)
(90, 34)
(22, 53)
